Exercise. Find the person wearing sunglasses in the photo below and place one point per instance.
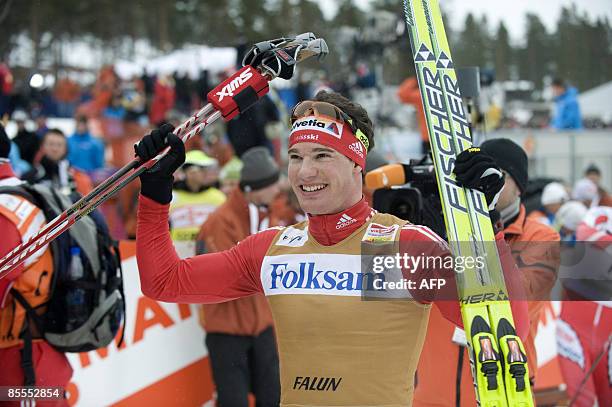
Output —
(335, 346)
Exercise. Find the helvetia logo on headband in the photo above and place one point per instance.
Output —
(329, 127)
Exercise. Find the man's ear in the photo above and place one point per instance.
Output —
(357, 168)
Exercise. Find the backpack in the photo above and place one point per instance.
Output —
(86, 302)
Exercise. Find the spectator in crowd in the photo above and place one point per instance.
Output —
(248, 130)
(19, 165)
(568, 217)
(85, 152)
(535, 247)
(586, 192)
(567, 111)
(51, 368)
(553, 196)
(229, 176)
(409, 93)
(41, 125)
(240, 334)
(67, 94)
(6, 88)
(27, 142)
(584, 328)
(183, 88)
(54, 169)
(163, 99)
(193, 199)
(216, 144)
(135, 101)
(594, 174)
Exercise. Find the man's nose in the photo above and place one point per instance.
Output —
(307, 169)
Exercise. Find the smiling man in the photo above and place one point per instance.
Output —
(335, 348)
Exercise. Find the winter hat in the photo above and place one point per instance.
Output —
(570, 215)
(554, 193)
(584, 190)
(197, 157)
(259, 170)
(231, 170)
(510, 157)
(5, 144)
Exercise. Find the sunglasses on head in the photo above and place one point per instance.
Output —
(324, 109)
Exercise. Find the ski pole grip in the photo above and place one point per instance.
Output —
(239, 92)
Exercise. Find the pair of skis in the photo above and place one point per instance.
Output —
(264, 62)
(497, 356)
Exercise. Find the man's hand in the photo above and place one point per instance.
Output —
(476, 169)
(156, 183)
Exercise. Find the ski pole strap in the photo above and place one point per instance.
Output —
(238, 92)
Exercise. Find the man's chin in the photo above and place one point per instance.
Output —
(313, 207)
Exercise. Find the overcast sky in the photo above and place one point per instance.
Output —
(511, 11)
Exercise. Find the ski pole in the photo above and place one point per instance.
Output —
(227, 100)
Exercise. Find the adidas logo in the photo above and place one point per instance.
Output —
(357, 148)
(345, 221)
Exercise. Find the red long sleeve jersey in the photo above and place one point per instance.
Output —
(335, 346)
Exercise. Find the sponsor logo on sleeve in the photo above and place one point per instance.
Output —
(293, 237)
(380, 233)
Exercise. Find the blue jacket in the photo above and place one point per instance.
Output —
(567, 111)
(19, 165)
(85, 152)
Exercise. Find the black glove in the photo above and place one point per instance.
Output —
(156, 183)
(475, 169)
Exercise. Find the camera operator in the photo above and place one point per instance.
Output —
(535, 248)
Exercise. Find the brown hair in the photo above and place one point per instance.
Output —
(354, 110)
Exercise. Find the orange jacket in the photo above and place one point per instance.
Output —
(223, 229)
(535, 248)
(408, 92)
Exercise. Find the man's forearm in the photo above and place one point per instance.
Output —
(208, 278)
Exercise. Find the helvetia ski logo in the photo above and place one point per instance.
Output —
(357, 148)
(345, 221)
(310, 123)
(228, 90)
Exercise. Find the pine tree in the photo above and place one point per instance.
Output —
(348, 14)
(503, 53)
(473, 47)
(535, 57)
